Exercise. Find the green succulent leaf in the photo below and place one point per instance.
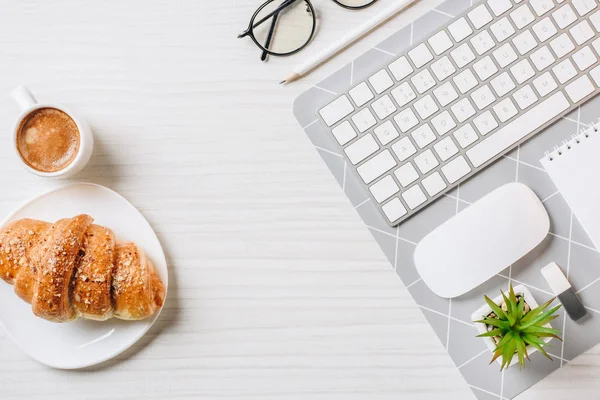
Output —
(531, 340)
(495, 308)
(493, 332)
(508, 352)
(537, 320)
(540, 329)
(521, 351)
(520, 308)
(537, 311)
(496, 323)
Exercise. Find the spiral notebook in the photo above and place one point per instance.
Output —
(574, 167)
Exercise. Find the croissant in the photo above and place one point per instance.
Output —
(73, 268)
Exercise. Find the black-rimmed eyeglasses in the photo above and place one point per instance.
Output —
(284, 27)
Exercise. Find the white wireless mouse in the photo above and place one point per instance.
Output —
(482, 240)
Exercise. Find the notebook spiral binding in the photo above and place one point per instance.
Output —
(574, 140)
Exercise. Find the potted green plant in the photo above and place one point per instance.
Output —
(514, 326)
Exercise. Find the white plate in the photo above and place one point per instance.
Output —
(80, 343)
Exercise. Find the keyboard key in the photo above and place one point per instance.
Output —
(485, 123)
(565, 71)
(434, 184)
(525, 42)
(584, 6)
(381, 81)
(363, 120)
(521, 127)
(460, 29)
(445, 94)
(404, 148)
(596, 44)
(485, 68)
(406, 174)
(505, 110)
(595, 20)
(406, 120)
(426, 107)
(562, 45)
(482, 42)
(423, 135)
(465, 136)
(541, 7)
(445, 148)
(463, 110)
(361, 149)
(420, 55)
(502, 84)
(580, 88)
(584, 58)
(361, 94)
(384, 189)
(426, 161)
(544, 29)
(336, 110)
(383, 107)
(344, 133)
(522, 16)
(505, 55)
(462, 55)
(525, 97)
(522, 71)
(414, 197)
(443, 68)
(545, 84)
(386, 133)
(482, 97)
(542, 58)
(499, 7)
(582, 32)
(443, 123)
(502, 29)
(595, 74)
(376, 166)
(465, 81)
(440, 42)
(394, 210)
(564, 16)
(480, 16)
(401, 68)
(456, 169)
(403, 94)
(423, 81)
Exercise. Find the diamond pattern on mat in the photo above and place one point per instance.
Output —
(584, 268)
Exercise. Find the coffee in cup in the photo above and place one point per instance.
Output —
(48, 140)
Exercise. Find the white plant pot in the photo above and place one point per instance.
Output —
(486, 310)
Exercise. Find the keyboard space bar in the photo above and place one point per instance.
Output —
(528, 122)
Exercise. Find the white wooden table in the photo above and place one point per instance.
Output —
(277, 291)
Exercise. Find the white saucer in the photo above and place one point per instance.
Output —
(80, 343)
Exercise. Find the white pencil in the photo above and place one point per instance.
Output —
(347, 40)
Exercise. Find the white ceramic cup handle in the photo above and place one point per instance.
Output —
(23, 97)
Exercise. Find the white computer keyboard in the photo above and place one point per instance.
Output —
(491, 79)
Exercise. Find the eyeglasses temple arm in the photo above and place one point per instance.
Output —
(263, 57)
(283, 5)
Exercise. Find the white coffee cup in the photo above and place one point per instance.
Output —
(29, 104)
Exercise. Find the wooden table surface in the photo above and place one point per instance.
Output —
(276, 290)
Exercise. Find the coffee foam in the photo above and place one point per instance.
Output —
(48, 140)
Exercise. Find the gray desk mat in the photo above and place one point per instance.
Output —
(567, 245)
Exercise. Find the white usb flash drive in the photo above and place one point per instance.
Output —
(564, 291)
